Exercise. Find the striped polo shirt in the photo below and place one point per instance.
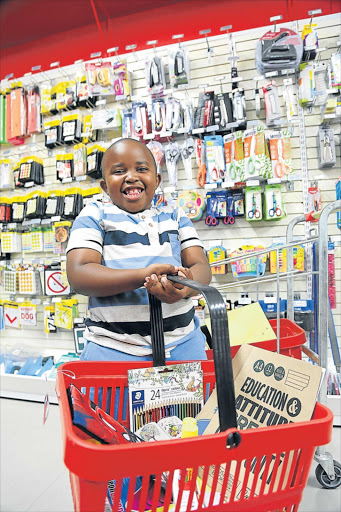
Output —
(127, 241)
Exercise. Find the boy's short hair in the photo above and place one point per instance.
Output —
(124, 140)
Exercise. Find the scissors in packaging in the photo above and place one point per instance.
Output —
(211, 221)
(254, 213)
(253, 165)
(200, 158)
(275, 210)
(281, 168)
(229, 219)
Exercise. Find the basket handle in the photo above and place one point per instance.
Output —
(220, 343)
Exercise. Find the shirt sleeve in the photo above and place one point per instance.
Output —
(86, 232)
(187, 232)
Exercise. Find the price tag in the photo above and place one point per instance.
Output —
(212, 128)
(198, 130)
(210, 186)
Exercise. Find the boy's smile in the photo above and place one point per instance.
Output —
(130, 177)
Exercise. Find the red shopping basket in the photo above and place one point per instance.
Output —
(292, 337)
(280, 456)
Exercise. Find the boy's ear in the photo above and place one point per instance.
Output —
(158, 179)
(104, 186)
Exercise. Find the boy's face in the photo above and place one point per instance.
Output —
(130, 177)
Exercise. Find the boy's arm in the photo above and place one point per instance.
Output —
(88, 276)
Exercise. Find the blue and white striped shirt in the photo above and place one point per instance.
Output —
(127, 241)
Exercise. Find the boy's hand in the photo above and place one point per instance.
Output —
(165, 290)
(160, 269)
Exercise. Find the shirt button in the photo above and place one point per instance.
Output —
(143, 216)
(150, 224)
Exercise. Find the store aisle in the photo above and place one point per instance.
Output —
(34, 478)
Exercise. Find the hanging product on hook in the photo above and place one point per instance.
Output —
(325, 147)
(310, 42)
(158, 116)
(239, 107)
(215, 159)
(179, 66)
(320, 82)
(155, 75)
(187, 150)
(173, 115)
(122, 81)
(278, 51)
(193, 204)
(272, 105)
(306, 85)
(289, 98)
(280, 154)
(99, 78)
(172, 158)
(201, 161)
(234, 157)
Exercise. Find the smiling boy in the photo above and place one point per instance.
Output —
(120, 249)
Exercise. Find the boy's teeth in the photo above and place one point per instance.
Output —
(133, 192)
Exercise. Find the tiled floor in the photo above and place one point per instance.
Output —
(34, 478)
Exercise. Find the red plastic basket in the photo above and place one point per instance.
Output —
(292, 337)
(92, 466)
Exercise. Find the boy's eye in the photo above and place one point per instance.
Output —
(118, 171)
(142, 169)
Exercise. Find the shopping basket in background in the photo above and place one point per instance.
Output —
(280, 455)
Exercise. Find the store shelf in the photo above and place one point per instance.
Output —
(24, 387)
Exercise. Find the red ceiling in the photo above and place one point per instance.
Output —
(26, 20)
(36, 32)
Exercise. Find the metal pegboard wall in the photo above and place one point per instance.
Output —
(207, 72)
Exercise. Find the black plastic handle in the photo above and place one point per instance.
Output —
(220, 343)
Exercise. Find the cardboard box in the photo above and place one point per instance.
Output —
(270, 389)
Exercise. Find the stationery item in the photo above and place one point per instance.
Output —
(99, 78)
(253, 204)
(33, 110)
(248, 266)
(256, 154)
(280, 154)
(325, 147)
(215, 159)
(179, 66)
(273, 203)
(193, 204)
(95, 422)
(122, 81)
(159, 392)
(278, 50)
(306, 85)
(272, 106)
(217, 253)
(201, 162)
(310, 41)
(172, 158)
(172, 426)
(247, 324)
(234, 157)
(155, 75)
(298, 259)
(152, 432)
